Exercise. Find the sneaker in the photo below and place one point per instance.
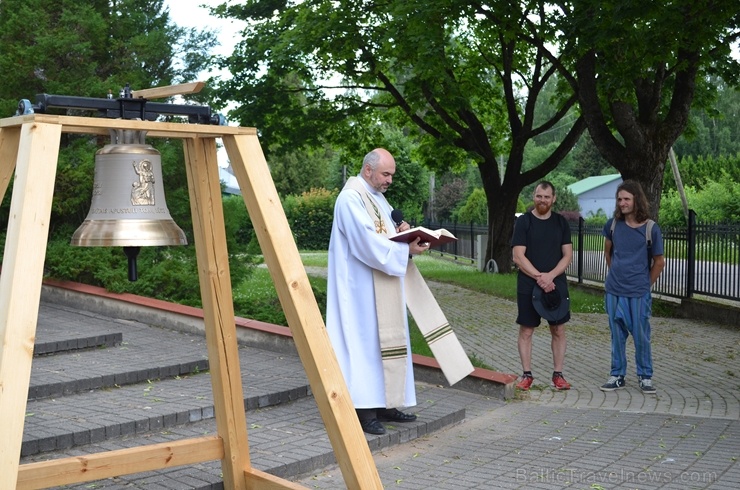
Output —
(559, 382)
(613, 383)
(525, 383)
(646, 385)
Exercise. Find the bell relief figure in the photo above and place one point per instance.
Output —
(142, 193)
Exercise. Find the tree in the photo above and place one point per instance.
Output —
(638, 67)
(88, 49)
(462, 75)
(301, 170)
(715, 130)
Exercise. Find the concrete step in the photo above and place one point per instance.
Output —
(287, 439)
(85, 351)
(153, 386)
(268, 378)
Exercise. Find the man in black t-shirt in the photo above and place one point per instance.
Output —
(542, 249)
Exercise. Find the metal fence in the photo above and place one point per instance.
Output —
(701, 258)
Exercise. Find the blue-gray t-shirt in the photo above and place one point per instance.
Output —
(629, 274)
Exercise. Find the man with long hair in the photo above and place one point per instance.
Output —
(633, 249)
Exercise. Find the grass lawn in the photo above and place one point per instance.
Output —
(466, 276)
(256, 297)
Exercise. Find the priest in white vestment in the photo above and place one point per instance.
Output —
(361, 257)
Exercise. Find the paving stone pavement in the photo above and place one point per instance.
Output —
(685, 436)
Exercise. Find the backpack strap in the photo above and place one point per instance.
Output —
(649, 233)
(649, 240)
(611, 229)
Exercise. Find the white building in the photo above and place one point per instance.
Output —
(596, 193)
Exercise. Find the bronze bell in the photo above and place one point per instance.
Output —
(128, 207)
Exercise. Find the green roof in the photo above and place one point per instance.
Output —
(590, 183)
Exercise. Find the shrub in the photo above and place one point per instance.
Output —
(598, 219)
(475, 209)
(239, 229)
(715, 202)
(310, 216)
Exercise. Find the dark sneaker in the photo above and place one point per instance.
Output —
(525, 383)
(613, 383)
(646, 385)
(558, 381)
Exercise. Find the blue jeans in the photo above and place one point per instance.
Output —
(630, 316)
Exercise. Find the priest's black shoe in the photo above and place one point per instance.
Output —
(395, 415)
(372, 426)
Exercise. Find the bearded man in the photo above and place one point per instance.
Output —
(542, 250)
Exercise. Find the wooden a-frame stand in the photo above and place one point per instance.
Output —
(30, 145)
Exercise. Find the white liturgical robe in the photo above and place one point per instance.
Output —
(355, 249)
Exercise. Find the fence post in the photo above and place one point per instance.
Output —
(472, 241)
(581, 253)
(691, 254)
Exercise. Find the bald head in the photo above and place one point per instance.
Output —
(378, 168)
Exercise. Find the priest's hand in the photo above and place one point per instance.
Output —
(418, 247)
(403, 227)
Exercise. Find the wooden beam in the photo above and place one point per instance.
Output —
(218, 307)
(103, 125)
(168, 91)
(259, 480)
(92, 467)
(20, 282)
(302, 312)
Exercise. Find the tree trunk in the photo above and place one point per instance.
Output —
(501, 211)
(648, 167)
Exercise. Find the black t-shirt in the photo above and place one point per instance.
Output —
(544, 239)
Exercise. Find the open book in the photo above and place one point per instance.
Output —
(434, 237)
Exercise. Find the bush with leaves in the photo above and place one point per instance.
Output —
(310, 216)
(166, 273)
(596, 219)
(475, 208)
(717, 202)
(238, 224)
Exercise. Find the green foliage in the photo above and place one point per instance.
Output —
(716, 202)
(475, 209)
(300, 170)
(256, 298)
(585, 161)
(91, 49)
(637, 76)
(598, 219)
(460, 80)
(166, 273)
(448, 197)
(566, 201)
(238, 224)
(698, 171)
(714, 128)
(310, 216)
